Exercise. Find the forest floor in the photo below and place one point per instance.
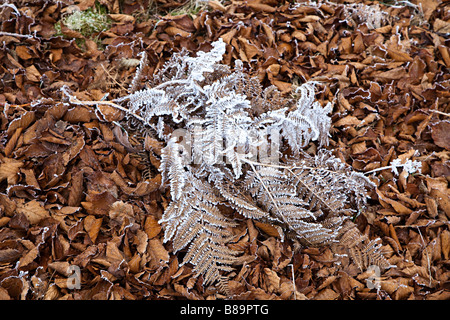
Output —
(77, 209)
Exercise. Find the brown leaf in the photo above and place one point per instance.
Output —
(79, 114)
(174, 31)
(92, 226)
(267, 228)
(445, 244)
(347, 121)
(121, 18)
(284, 87)
(272, 280)
(113, 254)
(394, 74)
(61, 267)
(109, 113)
(441, 134)
(327, 294)
(443, 200)
(157, 251)
(83, 258)
(33, 210)
(23, 52)
(33, 74)
(9, 255)
(22, 122)
(29, 257)
(152, 227)
(142, 240)
(9, 170)
(398, 207)
(399, 55)
(261, 7)
(76, 189)
(12, 142)
(120, 209)
(74, 149)
(4, 295)
(98, 203)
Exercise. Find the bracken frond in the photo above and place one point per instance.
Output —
(225, 118)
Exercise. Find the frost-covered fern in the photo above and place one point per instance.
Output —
(229, 125)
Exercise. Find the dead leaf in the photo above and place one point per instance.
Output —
(272, 280)
(441, 134)
(157, 251)
(398, 207)
(33, 74)
(152, 227)
(445, 244)
(327, 294)
(92, 227)
(33, 210)
(9, 170)
(142, 240)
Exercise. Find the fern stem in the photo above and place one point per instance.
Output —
(251, 163)
(265, 187)
(284, 167)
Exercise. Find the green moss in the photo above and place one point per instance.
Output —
(87, 23)
(191, 8)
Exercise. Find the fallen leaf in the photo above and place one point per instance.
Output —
(33, 210)
(92, 226)
(33, 74)
(9, 170)
(441, 134)
(327, 294)
(152, 227)
(157, 251)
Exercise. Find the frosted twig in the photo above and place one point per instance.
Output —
(293, 281)
(4, 33)
(409, 166)
(74, 100)
(441, 113)
(12, 6)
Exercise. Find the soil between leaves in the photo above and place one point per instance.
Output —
(72, 194)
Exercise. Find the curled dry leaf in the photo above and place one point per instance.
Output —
(441, 134)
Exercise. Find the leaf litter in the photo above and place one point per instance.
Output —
(74, 193)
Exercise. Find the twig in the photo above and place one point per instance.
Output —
(426, 252)
(441, 113)
(74, 100)
(293, 282)
(4, 33)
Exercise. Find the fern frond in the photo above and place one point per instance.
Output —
(192, 221)
(364, 252)
(227, 116)
(173, 167)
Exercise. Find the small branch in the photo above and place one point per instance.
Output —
(18, 35)
(441, 113)
(293, 282)
(380, 169)
(74, 100)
